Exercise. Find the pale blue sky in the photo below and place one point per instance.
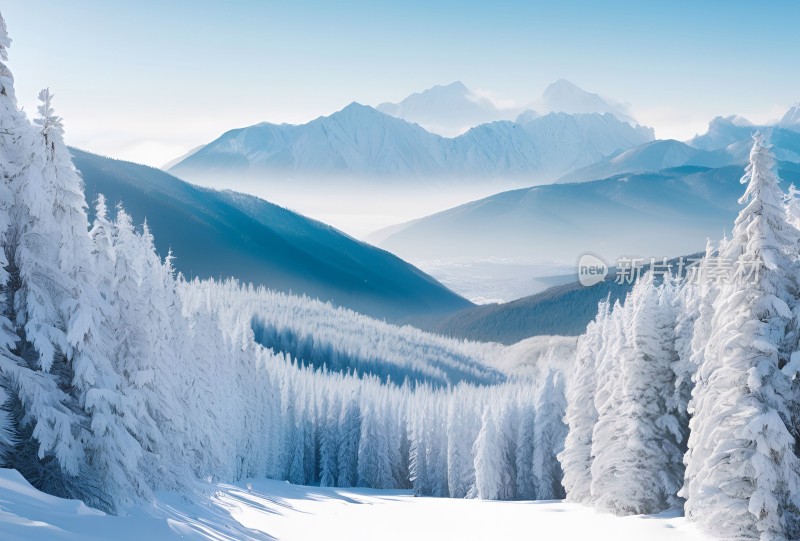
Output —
(148, 80)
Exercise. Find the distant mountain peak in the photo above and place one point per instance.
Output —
(730, 120)
(566, 97)
(562, 86)
(358, 113)
(528, 115)
(448, 110)
(355, 108)
(456, 86)
(792, 117)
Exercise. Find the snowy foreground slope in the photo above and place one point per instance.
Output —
(262, 510)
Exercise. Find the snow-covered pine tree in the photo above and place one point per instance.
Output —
(154, 374)
(437, 446)
(462, 429)
(608, 435)
(581, 415)
(419, 467)
(46, 422)
(329, 442)
(742, 481)
(349, 433)
(132, 353)
(298, 445)
(401, 467)
(648, 469)
(374, 469)
(548, 437)
(112, 452)
(524, 452)
(10, 117)
(493, 476)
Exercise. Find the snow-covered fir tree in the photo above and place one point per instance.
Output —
(581, 414)
(649, 466)
(742, 476)
(549, 433)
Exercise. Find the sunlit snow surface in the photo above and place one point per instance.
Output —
(261, 510)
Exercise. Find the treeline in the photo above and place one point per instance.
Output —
(320, 335)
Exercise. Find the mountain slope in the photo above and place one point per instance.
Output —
(651, 215)
(221, 234)
(361, 142)
(562, 310)
(651, 157)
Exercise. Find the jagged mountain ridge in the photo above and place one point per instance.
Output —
(359, 141)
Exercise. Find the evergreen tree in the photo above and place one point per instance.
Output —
(329, 443)
(493, 479)
(461, 432)
(608, 436)
(41, 414)
(524, 453)
(548, 437)
(350, 433)
(742, 480)
(581, 414)
(374, 469)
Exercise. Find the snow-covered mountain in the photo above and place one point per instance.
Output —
(649, 157)
(732, 135)
(448, 110)
(726, 142)
(221, 234)
(452, 109)
(361, 142)
(565, 97)
(724, 131)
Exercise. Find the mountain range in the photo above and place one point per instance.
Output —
(658, 199)
(362, 142)
(451, 110)
(727, 142)
(638, 195)
(221, 234)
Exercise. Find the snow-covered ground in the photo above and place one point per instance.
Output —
(262, 510)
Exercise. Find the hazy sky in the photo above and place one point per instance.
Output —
(147, 80)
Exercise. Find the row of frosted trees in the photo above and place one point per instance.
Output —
(320, 334)
(688, 393)
(118, 378)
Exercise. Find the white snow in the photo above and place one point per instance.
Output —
(260, 510)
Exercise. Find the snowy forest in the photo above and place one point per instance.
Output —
(120, 377)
